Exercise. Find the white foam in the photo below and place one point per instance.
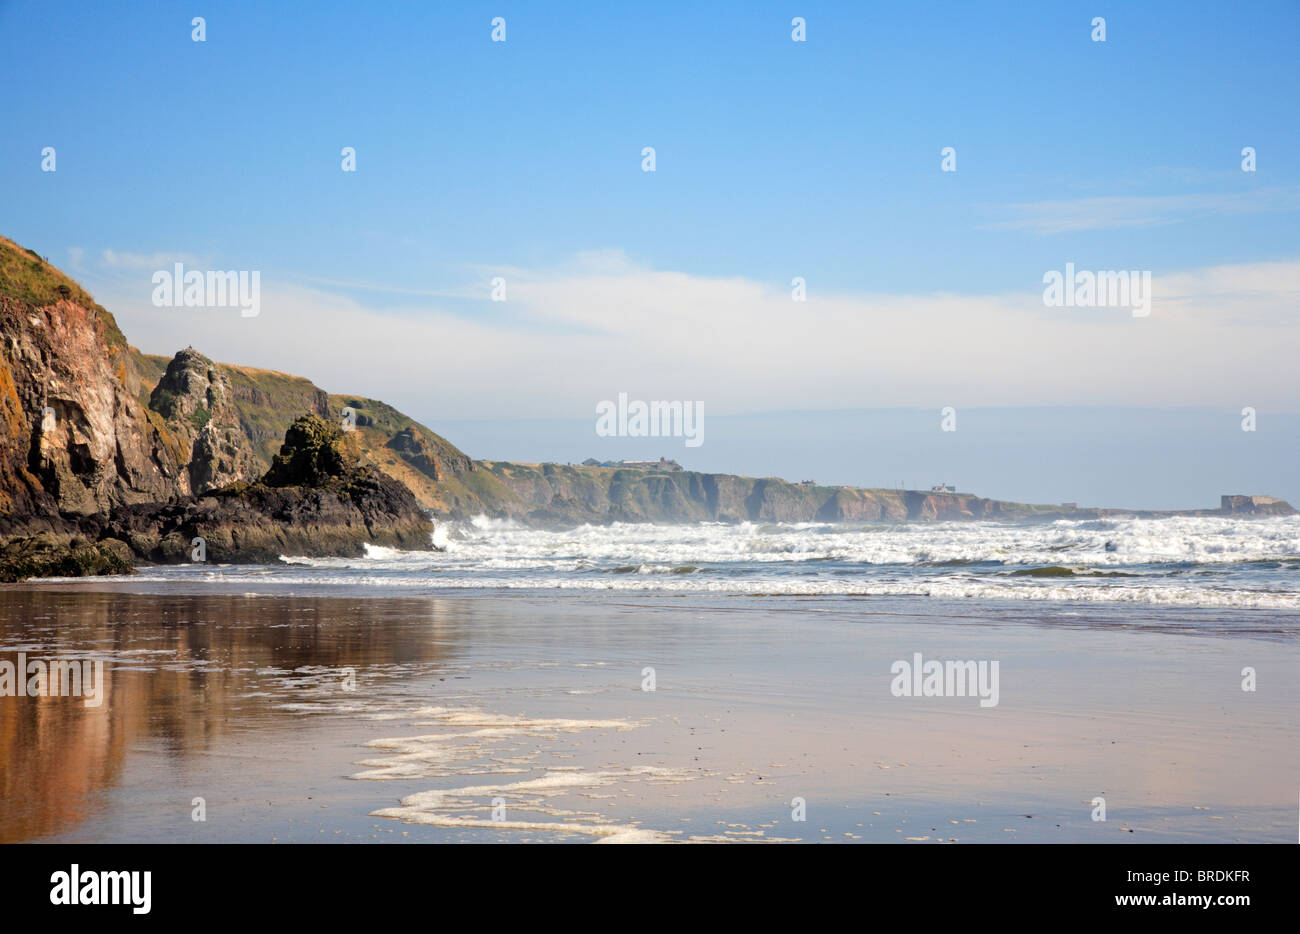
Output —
(1158, 560)
(433, 807)
(467, 748)
(498, 545)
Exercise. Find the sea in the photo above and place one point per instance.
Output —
(1193, 562)
(706, 683)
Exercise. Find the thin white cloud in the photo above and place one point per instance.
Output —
(353, 285)
(1226, 335)
(146, 262)
(1112, 212)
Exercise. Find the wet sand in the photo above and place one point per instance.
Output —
(507, 717)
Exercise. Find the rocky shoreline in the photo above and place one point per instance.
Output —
(316, 500)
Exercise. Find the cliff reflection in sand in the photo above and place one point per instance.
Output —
(181, 671)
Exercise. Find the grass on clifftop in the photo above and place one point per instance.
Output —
(29, 277)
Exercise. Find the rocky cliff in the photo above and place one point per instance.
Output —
(197, 403)
(558, 495)
(98, 439)
(75, 440)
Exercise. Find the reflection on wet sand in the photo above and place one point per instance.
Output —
(180, 671)
(507, 718)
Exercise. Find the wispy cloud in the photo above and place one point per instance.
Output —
(141, 262)
(1107, 213)
(355, 286)
(602, 324)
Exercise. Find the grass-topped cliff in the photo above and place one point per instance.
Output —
(564, 494)
(104, 449)
(29, 277)
(73, 437)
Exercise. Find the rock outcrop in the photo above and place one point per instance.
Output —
(316, 500)
(418, 451)
(197, 403)
(49, 554)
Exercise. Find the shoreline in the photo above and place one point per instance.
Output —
(757, 702)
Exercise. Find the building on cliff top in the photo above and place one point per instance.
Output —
(661, 464)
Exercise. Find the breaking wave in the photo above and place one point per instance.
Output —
(1179, 561)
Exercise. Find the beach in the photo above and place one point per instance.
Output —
(284, 708)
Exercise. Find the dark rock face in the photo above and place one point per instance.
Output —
(221, 456)
(258, 524)
(314, 501)
(196, 400)
(314, 452)
(50, 554)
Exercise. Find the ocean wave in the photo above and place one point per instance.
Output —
(1070, 590)
(1177, 561)
(1113, 542)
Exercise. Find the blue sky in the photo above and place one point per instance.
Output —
(773, 156)
(774, 159)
